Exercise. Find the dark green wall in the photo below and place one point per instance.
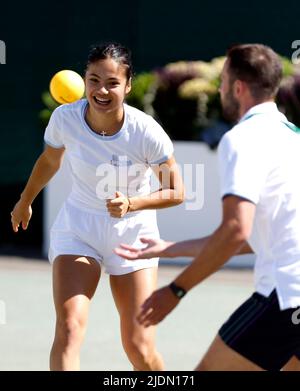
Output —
(177, 30)
(42, 38)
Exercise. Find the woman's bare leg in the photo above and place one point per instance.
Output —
(130, 291)
(75, 279)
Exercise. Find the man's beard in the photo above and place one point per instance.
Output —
(230, 107)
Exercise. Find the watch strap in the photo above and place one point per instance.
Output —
(177, 290)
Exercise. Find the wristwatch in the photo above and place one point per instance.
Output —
(177, 290)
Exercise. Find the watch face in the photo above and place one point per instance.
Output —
(178, 291)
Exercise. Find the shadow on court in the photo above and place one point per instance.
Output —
(27, 318)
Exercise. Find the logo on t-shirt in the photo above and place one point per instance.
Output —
(118, 161)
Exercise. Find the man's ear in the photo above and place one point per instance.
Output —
(238, 88)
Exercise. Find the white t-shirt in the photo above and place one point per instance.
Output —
(260, 161)
(101, 165)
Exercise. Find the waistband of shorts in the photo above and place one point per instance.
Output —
(82, 207)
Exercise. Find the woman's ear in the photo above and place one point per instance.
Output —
(128, 86)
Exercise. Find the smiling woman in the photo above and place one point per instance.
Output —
(108, 80)
(112, 149)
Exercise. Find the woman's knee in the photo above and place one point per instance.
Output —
(139, 351)
(70, 330)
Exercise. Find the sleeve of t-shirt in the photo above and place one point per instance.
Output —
(158, 145)
(54, 132)
(243, 170)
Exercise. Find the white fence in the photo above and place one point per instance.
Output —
(198, 216)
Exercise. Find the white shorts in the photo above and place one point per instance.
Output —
(95, 234)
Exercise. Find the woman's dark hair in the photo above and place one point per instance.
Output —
(258, 65)
(112, 50)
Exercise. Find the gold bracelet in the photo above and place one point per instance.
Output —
(128, 209)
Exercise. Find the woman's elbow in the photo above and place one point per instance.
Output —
(179, 196)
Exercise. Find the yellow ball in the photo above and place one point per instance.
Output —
(66, 86)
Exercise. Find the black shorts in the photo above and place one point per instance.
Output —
(262, 333)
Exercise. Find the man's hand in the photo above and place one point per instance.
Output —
(155, 248)
(119, 206)
(157, 307)
(21, 214)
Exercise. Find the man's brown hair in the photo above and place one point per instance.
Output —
(257, 65)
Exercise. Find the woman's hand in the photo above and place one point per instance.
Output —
(21, 214)
(119, 206)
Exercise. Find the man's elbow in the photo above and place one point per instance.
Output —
(240, 238)
(238, 233)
